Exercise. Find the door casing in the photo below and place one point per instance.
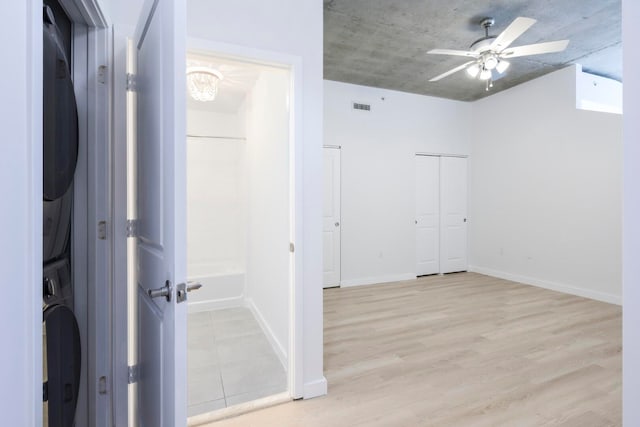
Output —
(294, 64)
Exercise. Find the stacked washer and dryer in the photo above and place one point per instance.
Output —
(61, 347)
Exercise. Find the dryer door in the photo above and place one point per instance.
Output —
(60, 117)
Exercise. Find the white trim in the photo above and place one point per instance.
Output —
(377, 280)
(546, 284)
(33, 294)
(100, 279)
(80, 258)
(200, 306)
(88, 12)
(294, 64)
(315, 388)
(464, 156)
(120, 243)
(277, 346)
(91, 255)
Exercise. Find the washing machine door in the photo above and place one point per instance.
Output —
(60, 117)
(62, 369)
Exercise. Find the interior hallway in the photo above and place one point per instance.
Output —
(462, 350)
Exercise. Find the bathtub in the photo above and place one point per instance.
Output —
(222, 290)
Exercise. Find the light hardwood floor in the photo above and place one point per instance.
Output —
(461, 350)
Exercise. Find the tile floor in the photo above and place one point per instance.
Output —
(230, 361)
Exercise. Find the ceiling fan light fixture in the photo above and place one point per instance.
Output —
(485, 74)
(202, 83)
(502, 66)
(473, 70)
(490, 62)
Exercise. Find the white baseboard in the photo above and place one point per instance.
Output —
(315, 388)
(278, 348)
(199, 306)
(379, 279)
(554, 286)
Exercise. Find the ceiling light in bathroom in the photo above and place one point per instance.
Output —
(203, 83)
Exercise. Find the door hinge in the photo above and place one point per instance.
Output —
(132, 374)
(132, 83)
(132, 228)
(292, 247)
(102, 385)
(102, 74)
(102, 230)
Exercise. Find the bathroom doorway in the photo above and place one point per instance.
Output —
(239, 226)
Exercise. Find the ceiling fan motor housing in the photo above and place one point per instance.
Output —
(482, 44)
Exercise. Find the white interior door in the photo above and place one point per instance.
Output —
(161, 229)
(427, 215)
(331, 218)
(453, 184)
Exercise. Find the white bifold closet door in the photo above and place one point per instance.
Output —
(453, 214)
(441, 214)
(427, 215)
(331, 218)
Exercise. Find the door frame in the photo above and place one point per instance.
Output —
(294, 65)
(91, 247)
(91, 39)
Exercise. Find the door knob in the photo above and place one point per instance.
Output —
(164, 291)
(337, 224)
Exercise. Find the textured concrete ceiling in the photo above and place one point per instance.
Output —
(383, 43)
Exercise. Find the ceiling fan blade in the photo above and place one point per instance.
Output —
(448, 73)
(466, 53)
(535, 49)
(512, 32)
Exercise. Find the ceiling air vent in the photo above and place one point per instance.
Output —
(361, 107)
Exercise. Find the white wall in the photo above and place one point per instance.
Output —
(291, 27)
(21, 237)
(631, 239)
(268, 232)
(378, 172)
(597, 93)
(546, 189)
(215, 194)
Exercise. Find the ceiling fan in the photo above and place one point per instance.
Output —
(489, 53)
